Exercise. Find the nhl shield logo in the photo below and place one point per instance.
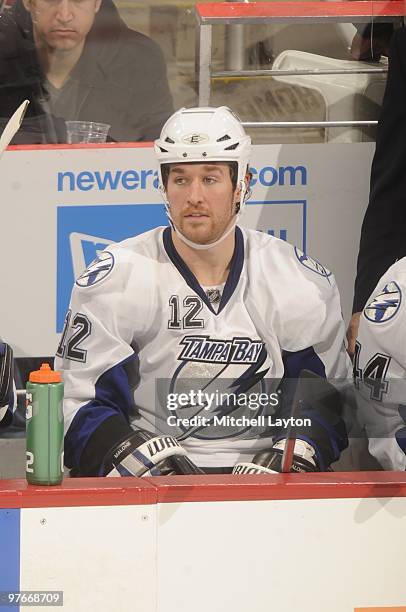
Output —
(385, 304)
(213, 295)
(97, 271)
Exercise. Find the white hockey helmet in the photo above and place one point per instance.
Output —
(204, 134)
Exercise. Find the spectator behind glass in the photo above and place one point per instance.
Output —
(78, 60)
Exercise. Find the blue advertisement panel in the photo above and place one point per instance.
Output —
(84, 231)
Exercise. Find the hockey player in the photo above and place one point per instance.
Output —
(380, 369)
(179, 343)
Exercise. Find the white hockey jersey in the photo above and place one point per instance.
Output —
(380, 368)
(141, 331)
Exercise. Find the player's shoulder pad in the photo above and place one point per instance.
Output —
(97, 271)
(386, 301)
(289, 260)
(116, 263)
(313, 265)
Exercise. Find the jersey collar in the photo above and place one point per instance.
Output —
(237, 262)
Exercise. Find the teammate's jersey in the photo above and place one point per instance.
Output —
(380, 368)
(141, 331)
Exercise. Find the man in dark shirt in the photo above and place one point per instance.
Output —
(78, 60)
(384, 226)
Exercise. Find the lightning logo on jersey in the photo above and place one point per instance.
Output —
(385, 305)
(312, 264)
(224, 369)
(97, 271)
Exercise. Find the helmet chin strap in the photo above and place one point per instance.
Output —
(227, 232)
(205, 247)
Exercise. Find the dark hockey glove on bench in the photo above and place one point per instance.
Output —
(270, 461)
(143, 454)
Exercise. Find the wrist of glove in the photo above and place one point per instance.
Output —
(270, 461)
(142, 454)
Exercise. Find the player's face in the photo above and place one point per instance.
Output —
(202, 200)
(62, 25)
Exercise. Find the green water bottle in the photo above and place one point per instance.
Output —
(44, 427)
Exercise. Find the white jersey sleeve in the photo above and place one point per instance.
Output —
(314, 316)
(305, 307)
(97, 357)
(306, 311)
(380, 369)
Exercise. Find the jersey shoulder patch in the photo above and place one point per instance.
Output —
(312, 264)
(97, 271)
(385, 304)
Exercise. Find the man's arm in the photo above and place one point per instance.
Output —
(352, 333)
(320, 395)
(100, 370)
(320, 439)
(94, 357)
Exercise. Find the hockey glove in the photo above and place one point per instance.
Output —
(320, 404)
(142, 454)
(270, 461)
(7, 399)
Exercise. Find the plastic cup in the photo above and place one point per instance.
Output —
(86, 131)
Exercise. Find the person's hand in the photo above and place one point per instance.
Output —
(352, 333)
(144, 454)
(271, 461)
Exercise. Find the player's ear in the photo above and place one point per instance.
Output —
(237, 197)
(97, 6)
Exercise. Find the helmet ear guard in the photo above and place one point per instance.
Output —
(245, 194)
(204, 135)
